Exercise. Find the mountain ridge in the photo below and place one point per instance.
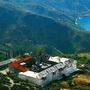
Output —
(26, 29)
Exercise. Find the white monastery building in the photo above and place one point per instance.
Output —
(43, 73)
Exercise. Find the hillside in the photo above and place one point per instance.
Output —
(56, 9)
(22, 29)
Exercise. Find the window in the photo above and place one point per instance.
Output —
(54, 73)
(44, 78)
(60, 69)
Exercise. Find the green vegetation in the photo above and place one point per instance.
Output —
(4, 82)
(2, 57)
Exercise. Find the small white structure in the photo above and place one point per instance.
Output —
(26, 54)
(62, 66)
(5, 62)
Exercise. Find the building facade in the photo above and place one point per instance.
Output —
(62, 67)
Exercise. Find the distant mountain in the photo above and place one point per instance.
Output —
(56, 9)
(20, 28)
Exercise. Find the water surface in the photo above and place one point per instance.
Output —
(85, 23)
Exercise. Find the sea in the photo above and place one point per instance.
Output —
(84, 22)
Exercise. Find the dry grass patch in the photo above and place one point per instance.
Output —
(82, 80)
(84, 55)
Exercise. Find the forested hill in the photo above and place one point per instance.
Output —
(19, 28)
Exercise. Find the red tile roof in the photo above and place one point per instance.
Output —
(23, 68)
(16, 64)
(24, 59)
